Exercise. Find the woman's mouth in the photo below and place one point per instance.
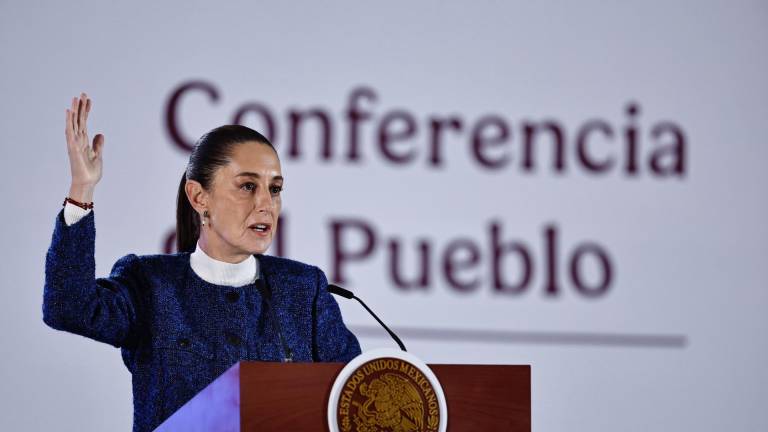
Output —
(261, 228)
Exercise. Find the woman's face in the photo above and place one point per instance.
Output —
(243, 203)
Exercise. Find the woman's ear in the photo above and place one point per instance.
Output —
(197, 196)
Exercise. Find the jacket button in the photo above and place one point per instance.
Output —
(232, 296)
(184, 342)
(233, 339)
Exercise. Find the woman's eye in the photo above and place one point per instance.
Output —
(250, 187)
(275, 190)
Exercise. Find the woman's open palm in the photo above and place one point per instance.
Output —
(85, 159)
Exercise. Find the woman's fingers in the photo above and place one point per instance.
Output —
(73, 109)
(81, 113)
(77, 115)
(87, 109)
(70, 125)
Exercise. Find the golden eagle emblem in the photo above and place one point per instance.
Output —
(393, 404)
(388, 395)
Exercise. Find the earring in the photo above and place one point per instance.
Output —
(205, 215)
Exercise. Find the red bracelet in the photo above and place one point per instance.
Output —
(84, 206)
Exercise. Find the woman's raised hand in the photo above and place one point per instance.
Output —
(85, 160)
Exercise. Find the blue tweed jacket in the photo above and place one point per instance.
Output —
(177, 332)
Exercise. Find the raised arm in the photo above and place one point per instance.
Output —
(73, 299)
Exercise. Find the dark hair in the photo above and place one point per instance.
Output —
(211, 151)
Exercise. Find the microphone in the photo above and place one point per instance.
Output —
(335, 289)
(266, 293)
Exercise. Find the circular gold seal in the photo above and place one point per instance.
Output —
(387, 391)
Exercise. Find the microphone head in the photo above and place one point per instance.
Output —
(335, 289)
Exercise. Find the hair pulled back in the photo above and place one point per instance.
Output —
(212, 151)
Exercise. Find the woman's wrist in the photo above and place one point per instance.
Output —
(82, 193)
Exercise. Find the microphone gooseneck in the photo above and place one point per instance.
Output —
(335, 289)
(266, 293)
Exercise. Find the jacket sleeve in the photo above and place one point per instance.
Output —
(74, 300)
(333, 340)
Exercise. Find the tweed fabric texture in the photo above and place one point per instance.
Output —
(176, 331)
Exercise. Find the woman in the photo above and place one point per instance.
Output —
(182, 319)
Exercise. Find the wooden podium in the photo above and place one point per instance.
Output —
(261, 396)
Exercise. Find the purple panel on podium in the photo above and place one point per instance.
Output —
(215, 409)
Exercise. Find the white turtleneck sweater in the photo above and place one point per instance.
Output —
(209, 269)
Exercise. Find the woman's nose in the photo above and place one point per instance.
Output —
(263, 199)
